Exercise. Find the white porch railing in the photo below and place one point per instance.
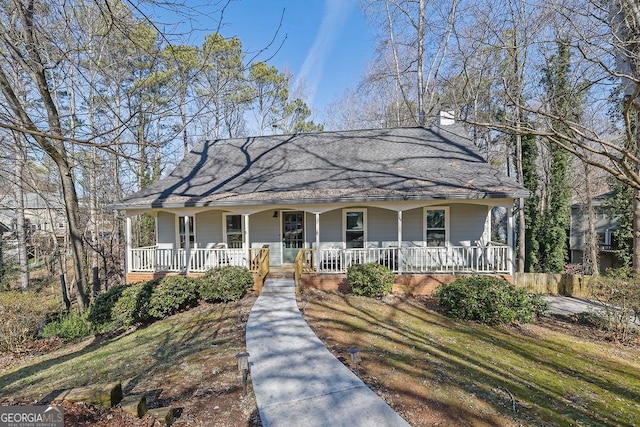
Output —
(452, 259)
(153, 259)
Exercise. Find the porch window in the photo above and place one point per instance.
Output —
(192, 236)
(233, 231)
(437, 226)
(355, 227)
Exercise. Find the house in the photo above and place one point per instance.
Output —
(43, 208)
(604, 227)
(417, 200)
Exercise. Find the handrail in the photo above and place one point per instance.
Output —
(419, 259)
(259, 264)
(304, 263)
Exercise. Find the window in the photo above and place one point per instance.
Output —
(192, 237)
(233, 231)
(355, 227)
(437, 224)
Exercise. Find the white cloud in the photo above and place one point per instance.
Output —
(336, 15)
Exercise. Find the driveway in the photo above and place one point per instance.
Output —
(566, 306)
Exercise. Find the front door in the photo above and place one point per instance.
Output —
(292, 235)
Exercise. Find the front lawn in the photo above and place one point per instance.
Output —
(186, 361)
(437, 371)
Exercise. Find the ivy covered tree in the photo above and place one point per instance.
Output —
(530, 180)
(619, 206)
(563, 101)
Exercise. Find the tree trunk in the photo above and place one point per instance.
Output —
(21, 223)
(590, 262)
(420, 65)
(636, 208)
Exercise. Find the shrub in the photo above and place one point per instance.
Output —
(370, 280)
(133, 305)
(619, 292)
(22, 313)
(174, 293)
(227, 283)
(69, 326)
(100, 311)
(489, 300)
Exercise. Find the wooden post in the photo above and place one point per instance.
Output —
(127, 240)
(399, 242)
(317, 266)
(187, 244)
(510, 240)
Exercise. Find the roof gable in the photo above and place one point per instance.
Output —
(377, 164)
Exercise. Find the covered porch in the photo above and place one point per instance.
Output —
(408, 238)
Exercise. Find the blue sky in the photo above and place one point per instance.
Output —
(326, 44)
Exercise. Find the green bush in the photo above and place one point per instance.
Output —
(100, 310)
(69, 326)
(22, 313)
(133, 305)
(370, 280)
(227, 283)
(489, 300)
(173, 294)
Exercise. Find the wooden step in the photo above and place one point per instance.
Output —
(280, 273)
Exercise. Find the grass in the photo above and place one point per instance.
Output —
(188, 354)
(433, 369)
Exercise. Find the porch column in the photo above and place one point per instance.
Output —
(187, 245)
(127, 240)
(317, 266)
(510, 240)
(247, 248)
(399, 242)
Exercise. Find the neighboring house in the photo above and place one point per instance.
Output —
(417, 200)
(43, 210)
(604, 227)
(3, 229)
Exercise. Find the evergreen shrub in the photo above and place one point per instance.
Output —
(100, 310)
(133, 305)
(173, 293)
(370, 280)
(69, 326)
(228, 283)
(489, 300)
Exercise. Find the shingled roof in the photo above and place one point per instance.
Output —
(349, 166)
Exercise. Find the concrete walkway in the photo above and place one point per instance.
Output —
(296, 380)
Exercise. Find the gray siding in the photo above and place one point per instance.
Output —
(467, 223)
(382, 227)
(331, 228)
(264, 229)
(412, 223)
(166, 225)
(208, 228)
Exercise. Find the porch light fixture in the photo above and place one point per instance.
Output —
(243, 367)
(275, 214)
(354, 352)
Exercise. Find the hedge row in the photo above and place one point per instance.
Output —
(139, 303)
